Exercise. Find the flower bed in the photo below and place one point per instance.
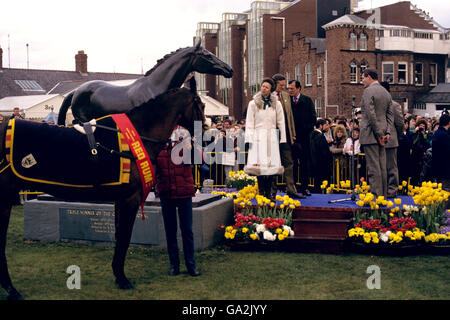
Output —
(258, 220)
(238, 180)
(386, 225)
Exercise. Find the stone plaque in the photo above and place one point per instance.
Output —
(97, 224)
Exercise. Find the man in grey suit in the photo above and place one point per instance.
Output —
(286, 148)
(392, 146)
(375, 130)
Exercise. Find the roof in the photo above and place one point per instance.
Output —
(345, 20)
(24, 102)
(440, 94)
(51, 81)
(213, 107)
(441, 88)
(320, 44)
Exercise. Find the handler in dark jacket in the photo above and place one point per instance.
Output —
(175, 186)
(441, 152)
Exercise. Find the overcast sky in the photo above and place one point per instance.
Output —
(120, 36)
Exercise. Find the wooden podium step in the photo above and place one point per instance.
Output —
(320, 230)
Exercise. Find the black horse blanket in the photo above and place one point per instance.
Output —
(52, 154)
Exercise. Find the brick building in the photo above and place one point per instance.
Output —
(253, 41)
(326, 45)
(412, 57)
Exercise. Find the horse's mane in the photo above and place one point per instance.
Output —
(160, 61)
(153, 104)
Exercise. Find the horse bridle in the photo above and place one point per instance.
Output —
(197, 102)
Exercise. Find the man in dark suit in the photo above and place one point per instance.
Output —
(321, 156)
(441, 150)
(376, 126)
(305, 119)
(286, 148)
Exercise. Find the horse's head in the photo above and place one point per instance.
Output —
(206, 62)
(193, 116)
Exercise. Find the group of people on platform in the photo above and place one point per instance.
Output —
(393, 142)
(282, 133)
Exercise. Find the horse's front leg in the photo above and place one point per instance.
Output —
(125, 215)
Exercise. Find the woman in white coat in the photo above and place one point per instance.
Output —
(265, 130)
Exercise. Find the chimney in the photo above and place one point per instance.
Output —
(81, 62)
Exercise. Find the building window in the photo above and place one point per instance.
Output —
(319, 75)
(353, 72)
(388, 72)
(297, 73)
(318, 107)
(288, 76)
(402, 73)
(363, 41)
(420, 106)
(418, 74)
(423, 35)
(380, 33)
(433, 74)
(29, 85)
(362, 67)
(308, 74)
(353, 41)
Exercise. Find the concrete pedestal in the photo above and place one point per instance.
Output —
(49, 219)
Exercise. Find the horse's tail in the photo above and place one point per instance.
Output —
(67, 102)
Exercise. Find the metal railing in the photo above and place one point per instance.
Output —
(341, 171)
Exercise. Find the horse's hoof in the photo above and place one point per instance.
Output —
(124, 284)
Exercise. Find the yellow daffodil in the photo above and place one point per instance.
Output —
(254, 236)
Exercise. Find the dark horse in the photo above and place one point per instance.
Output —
(155, 119)
(95, 99)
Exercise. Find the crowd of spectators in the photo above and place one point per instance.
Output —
(342, 136)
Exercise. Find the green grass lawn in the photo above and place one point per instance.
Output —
(38, 270)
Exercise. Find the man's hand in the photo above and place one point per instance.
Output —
(384, 140)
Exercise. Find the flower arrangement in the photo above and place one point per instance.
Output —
(383, 221)
(253, 228)
(238, 180)
(260, 219)
(345, 187)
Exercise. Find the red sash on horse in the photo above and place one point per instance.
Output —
(142, 159)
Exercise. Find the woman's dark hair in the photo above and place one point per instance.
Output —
(269, 81)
